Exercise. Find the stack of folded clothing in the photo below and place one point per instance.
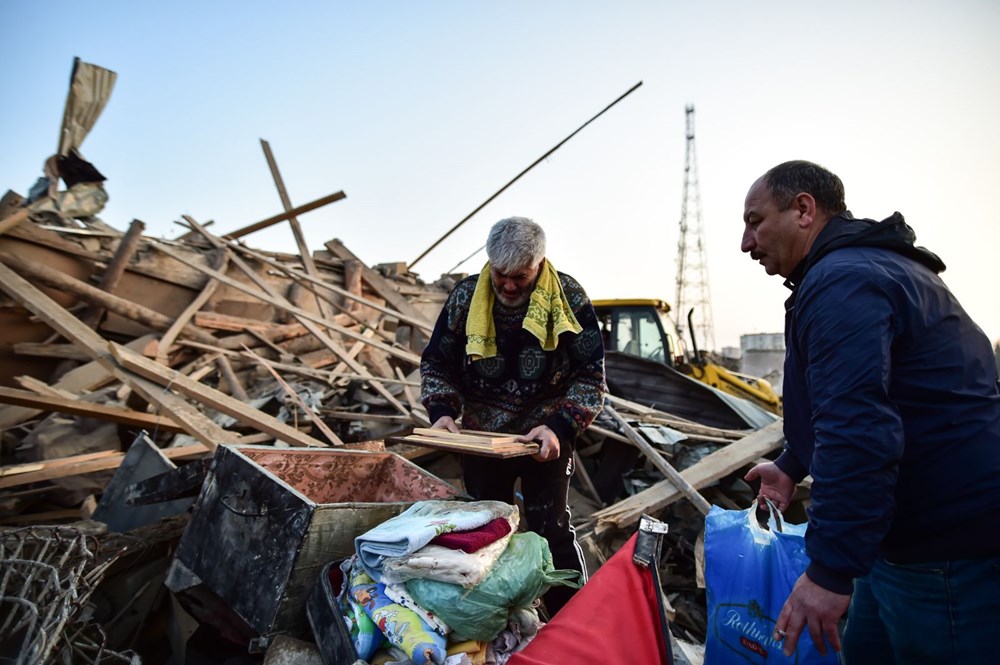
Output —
(446, 583)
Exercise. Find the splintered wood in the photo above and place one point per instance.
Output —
(472, 442)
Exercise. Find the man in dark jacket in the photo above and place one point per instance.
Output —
(891, 403)
(518, 349)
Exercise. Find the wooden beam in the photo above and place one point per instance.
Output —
(216, 399)
(417, 411)
(626, 513)
(653, 416)
(379, 284)
(310, 322)
(10, 222)
(419, 322)
(235, 387)
(115, 269)
(293, 223)
(664, 467)
(608, 433)
(96, 296)
(79, 407)
(64, 351)
(270, 221)
(35, 301)
(373, 417)
(74, 466)
(218, 263)
(230, 323)
(84, 378)
(39, 387)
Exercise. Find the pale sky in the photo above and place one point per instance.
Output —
(419, 111)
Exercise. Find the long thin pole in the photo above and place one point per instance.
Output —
(518, 176)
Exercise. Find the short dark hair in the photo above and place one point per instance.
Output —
(785, 181)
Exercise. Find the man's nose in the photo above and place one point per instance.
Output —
(749, 242)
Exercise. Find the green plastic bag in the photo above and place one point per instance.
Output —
(522, 573)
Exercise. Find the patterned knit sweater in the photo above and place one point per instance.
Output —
(522, 386)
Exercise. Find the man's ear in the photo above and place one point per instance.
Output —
(805, 204)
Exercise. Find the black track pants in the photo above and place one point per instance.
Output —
(545, 491)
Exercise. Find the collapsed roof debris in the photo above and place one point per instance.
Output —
(126, 361)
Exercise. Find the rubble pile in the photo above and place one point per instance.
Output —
(126, 361)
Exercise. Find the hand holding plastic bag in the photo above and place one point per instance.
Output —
(749, 573)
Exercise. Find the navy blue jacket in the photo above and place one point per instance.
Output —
(891, 403)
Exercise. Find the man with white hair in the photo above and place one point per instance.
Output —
(518, 349)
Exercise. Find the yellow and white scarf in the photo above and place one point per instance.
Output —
(549, 314)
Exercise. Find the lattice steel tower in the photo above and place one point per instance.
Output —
(692, 263)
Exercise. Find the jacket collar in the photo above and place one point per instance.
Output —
(843, 230)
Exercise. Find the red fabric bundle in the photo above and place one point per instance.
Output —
(614, 620)
(475, 539)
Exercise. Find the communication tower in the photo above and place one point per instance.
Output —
(692, 265)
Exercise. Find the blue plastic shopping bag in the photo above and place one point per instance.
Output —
(749, 573)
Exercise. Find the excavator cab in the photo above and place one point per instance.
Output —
(640, 328)
(644, 329)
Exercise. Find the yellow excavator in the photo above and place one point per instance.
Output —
(642, 328)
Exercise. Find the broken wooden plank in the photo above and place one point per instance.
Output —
(417, 412)
(609, 434)
(267, 294)
(656, 417)
(13, 220)
(374, 417)
(314, 417)
(87, 377)
(293, 222)
(147, 267)
(378, 283)
(468, 436)
(229, 375)
(626, 513)
(419, 322)
(170, 334)
(79, 407)
(42, 350)
(28, 467)
(121, 306)
(306, 207)
(34, 300)
(497, 450)
(115, 269)
(74, 466)
(39, 387)
(664, 467)
(230, 323)
(215, 399)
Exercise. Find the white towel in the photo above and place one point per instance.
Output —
(434, 562)
(419, 524)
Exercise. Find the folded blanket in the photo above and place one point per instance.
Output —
(398, 594)
(433, 562)
(401, 625)
(419, 524)
(549, 314)
(365, 634)
(474, 539)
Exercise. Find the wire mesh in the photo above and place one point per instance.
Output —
(47, 575)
